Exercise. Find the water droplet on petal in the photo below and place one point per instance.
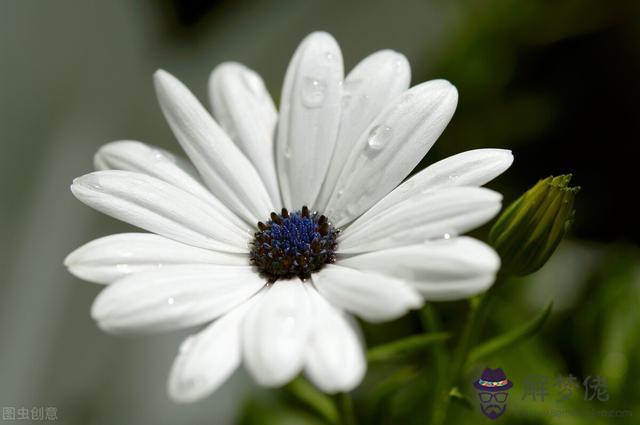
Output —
(453, 178)
(448, 236)
(171, 301)
(90, 181)
(160, 156)
(379, 137)
(313, 92)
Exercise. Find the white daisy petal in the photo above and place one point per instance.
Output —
(227, 172)
(138, 157)
(173, 297)
(208, 358)
(440, 270)
(130, 155)
(391, 147)
(434, 214)
(309, 118)
(141, 158)
(110, 258)
(243, 107)
(161, 208)
(275, 333)
(367, 90)
(471, 168)
(334, 357)
(372, 296)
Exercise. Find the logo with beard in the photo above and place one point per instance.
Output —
(492, 390)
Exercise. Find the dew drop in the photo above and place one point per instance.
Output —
(340, 193)
(171, 301)
(313, 92)
(453, 178)
(330, 56)
(448, 236)
(161, 156)
(379, 136)
(91, 181)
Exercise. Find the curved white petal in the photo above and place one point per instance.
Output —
(372, 296)
(173, 297)
(139, 157)
(131, 155)
(335, 359)
(110, 258)
(433, 214)
(440, 270)
(243, 107)
(227, 172)
(161, 208)
(309, 118)
(367, 90)
(275, 333)
(208, 358)
(391, 147)
(471, 168)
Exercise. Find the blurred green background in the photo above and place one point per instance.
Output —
(555, 81)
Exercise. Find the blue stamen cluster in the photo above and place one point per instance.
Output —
(293, 244)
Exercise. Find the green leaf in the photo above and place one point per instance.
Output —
(400, 378)
(510, 338)
(405, 346)
(319, 402)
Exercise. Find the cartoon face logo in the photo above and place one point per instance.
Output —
(492, 390)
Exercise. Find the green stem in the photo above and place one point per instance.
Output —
(431, 323)
(345, 409)
(473, 327)
(318, 402)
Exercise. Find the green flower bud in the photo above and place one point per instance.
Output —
(529, 230)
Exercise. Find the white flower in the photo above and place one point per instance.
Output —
(276, 295)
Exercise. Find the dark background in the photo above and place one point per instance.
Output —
(555, 81)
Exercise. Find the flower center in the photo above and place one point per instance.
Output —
(293, 244)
